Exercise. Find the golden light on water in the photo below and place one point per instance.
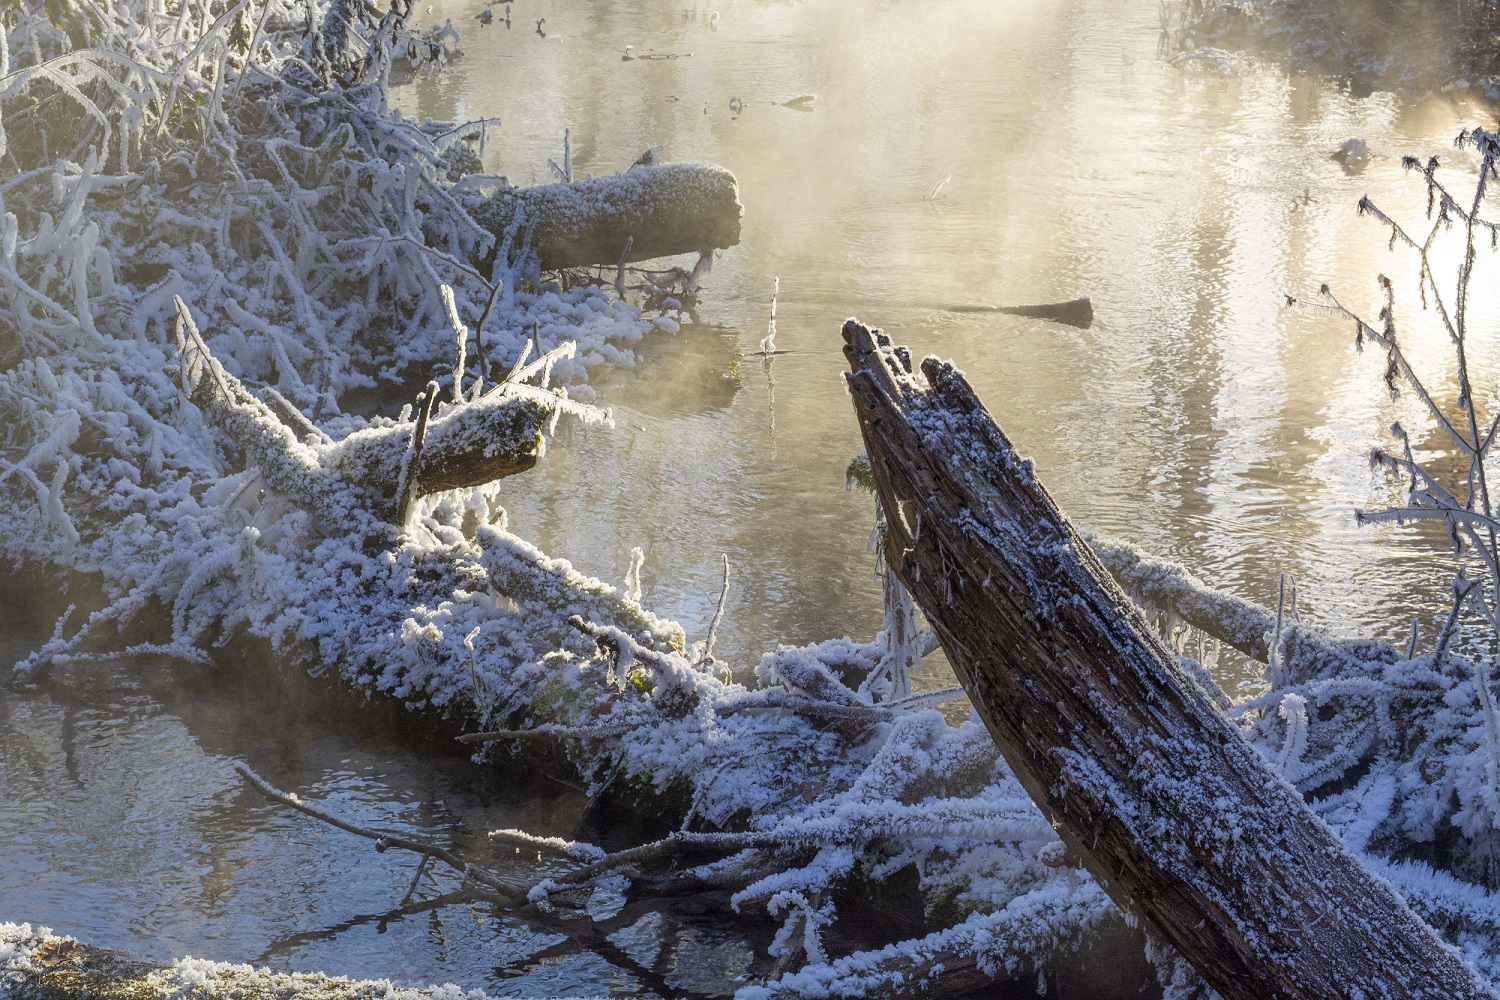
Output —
(1197, 416)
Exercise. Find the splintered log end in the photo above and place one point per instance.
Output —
(639, 215)
(479, 443)
(468, 445)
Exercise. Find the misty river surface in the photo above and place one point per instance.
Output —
(1197, 417)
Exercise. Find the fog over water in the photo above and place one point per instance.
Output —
(1197, 417)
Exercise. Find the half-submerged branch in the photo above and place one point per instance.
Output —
(1074, 312)
(500, 889)
(1177, 816)
(638, 215)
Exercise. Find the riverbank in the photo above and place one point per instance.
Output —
(36, 964)
(1397, 45)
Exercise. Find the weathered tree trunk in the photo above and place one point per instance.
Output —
(1174, 813)
(638, 215)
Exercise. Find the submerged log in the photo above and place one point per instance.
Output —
(638, 215)
(1170, 809)
(1074, 312)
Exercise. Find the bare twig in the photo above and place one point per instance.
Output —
(586, 853)
(503, 889)
(773, 698)
(669, 846)
(407, 489)
(421, 867)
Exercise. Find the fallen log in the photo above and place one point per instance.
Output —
(1172, 811)
(469, 444)
(1303, 651)
(641, 214)
(1074, 312)
(1238, 624)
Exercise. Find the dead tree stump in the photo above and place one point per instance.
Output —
(1171, 810)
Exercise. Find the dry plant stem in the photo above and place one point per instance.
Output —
(496, 288)
(1466, 270)
(1456, 321)
(713, 626)
(1170, 809)
(1437, 501)
(502, 888)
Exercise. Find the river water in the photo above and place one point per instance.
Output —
(1197, 417)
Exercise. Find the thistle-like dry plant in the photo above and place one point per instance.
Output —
(1464, 506)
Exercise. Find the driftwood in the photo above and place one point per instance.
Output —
(643, 213)
(1075, 312)
(1169, 808)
